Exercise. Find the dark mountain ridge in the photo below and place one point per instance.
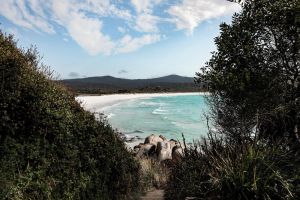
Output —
(110, 84)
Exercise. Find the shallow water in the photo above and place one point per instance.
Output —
(169, 116)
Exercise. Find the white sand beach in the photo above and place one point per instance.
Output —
(99, 103)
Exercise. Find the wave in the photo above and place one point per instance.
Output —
(137, 131)
(181, 124)
(110, 115)
(151, 103)
(160, 111)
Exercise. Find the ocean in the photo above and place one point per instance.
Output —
(169, 116)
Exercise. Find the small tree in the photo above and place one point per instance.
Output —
(253, 76)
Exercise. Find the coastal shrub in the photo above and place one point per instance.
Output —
(253, 77)
(50, 148)
(212, 169)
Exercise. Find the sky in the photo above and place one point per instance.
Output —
(122, 38)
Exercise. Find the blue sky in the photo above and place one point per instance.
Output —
(122, 38)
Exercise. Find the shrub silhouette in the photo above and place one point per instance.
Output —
(50, 148)
(215, 169)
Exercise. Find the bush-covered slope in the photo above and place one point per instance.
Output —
(109, 84)
(50, 148)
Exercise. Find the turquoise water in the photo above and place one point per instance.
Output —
(168, 116)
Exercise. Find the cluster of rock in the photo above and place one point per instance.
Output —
(158, 147)
(128, 138)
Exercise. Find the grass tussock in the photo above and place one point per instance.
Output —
(213, 169)
(153, 174)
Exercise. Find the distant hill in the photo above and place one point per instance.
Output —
(109, 84)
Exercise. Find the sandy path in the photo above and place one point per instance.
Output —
(154, 195)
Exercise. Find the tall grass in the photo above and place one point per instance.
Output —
(214, 169)
(153, 174)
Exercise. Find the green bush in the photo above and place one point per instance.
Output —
(253, 80)
(216, 170)
(253, 77)
(50, 148)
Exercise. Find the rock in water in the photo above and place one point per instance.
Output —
(153, 139)
(158, 147)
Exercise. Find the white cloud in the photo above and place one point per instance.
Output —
(84, 21)
(17, 12)
(146, 23)
(145, 6)
(90, 37)
(37, 7)
(190, 13)
(81, 19)
(141, 5)
(87, 31)
(121, 29)
(123, 14)
(129, 44)
(123, 71)
(74, 75)
(105, 8)
(145, 20)
(84, 30)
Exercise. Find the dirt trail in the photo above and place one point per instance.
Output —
(154, 195)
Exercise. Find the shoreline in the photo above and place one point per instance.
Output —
(100, 103)
(94, 103)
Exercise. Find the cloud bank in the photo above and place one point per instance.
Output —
(190, 13)
(85, 21)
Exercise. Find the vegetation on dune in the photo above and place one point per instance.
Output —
(50, 148)
(253, 78)
(215, 169)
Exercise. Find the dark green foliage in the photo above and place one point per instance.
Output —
(217, 170)
(254, 75)
(253, 78)
(50, 148)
